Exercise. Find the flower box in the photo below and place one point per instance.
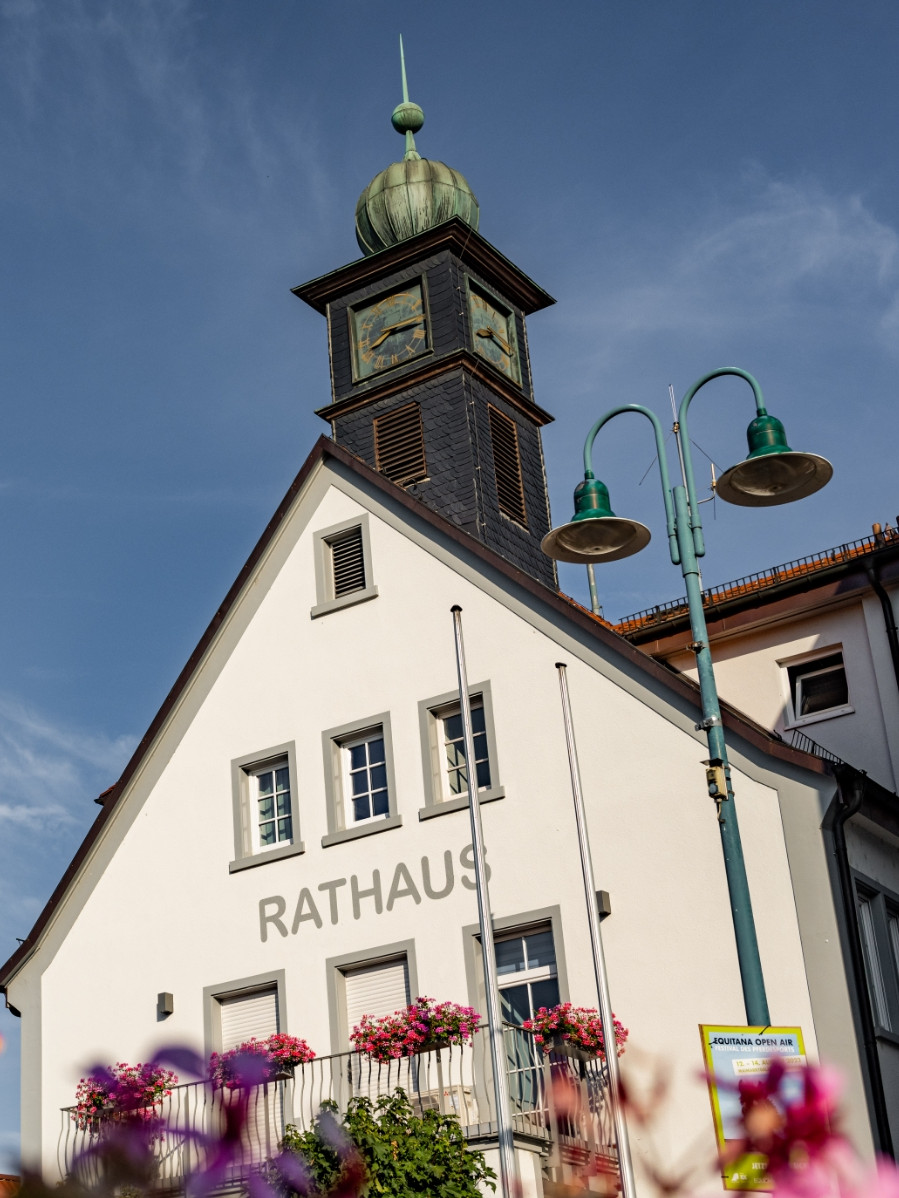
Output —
(421, 1027)
(558, 1045)
(575, 1031)
(122, 1093)
(257, 1062)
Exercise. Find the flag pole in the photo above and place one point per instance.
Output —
(625, 1165)
(508, 1165)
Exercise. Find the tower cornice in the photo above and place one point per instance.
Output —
(470, 247)
(463, 360)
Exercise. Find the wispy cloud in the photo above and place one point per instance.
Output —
(98, 101)
(49, 772)
(772, 249)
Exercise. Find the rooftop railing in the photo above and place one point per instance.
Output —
(454, 1080)
(661, 613)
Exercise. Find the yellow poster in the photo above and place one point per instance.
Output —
(733, 1053)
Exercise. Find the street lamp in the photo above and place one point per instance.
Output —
(771, 474)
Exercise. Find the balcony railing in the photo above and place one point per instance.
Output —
(555, 1100)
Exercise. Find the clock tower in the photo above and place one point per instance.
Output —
(430, 375)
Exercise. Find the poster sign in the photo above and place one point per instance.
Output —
(730, 1054)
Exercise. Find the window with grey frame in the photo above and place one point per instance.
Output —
(878, 922)
(359, 779)
(444, 756)
(266, 825)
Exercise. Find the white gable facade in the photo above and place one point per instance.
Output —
(178, 893)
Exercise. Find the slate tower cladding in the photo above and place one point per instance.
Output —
(430, 374)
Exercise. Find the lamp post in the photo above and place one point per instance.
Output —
(771, 474)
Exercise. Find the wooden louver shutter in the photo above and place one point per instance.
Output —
(507, 466)
(400, 445)
(348, 562)
(246, 1015)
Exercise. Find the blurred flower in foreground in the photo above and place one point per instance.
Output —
(799, 1136)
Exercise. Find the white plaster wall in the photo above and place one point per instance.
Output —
(749, 677)
(161, 912)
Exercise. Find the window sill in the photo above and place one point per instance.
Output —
(263, 857)
(460, 803)
(329, 605)
(888, 1037)
(368, 828)
(830, 714)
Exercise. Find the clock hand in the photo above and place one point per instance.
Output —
(400, 324)
(504, 345)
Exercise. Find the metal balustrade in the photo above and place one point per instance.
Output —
(839, 555)
(557, 1100)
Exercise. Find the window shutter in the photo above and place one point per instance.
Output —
(376, 990)
(507, 466)
(400, 445)
(348, 562)
(246, 1015)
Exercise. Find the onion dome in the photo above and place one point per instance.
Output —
(413, 195)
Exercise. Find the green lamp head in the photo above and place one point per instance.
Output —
(772, 473)
(594, 533)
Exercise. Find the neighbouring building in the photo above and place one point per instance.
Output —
(810, 649)
(289, 846)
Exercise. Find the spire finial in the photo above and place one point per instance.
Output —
(403, 70)
(407, 117)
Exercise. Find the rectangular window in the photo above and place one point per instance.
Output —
(507, 466)
(526, 973)
(365, 773)
(454, 748)
(443, 748)
(359, 779)
(817, 687)
(240, 1017)
(271, 794)
(377, 989)
(878, 925)
(266, 823)
(343, 571)
(400, 445)
(245, 1015)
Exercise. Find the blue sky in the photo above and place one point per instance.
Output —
(699, 183)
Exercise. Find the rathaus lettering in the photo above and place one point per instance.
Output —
(341, 895)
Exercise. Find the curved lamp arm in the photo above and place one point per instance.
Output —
(663, 463)
(695, 521)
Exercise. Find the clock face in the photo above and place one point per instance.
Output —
(389, 332)
(493, 332)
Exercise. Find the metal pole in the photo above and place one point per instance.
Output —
(628, 1187)
(594, 597)
(750, 962)
(508, 1167)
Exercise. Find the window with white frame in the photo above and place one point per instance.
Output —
(272, 811)
(453, 735)
(366, 793)
(527, 974)
(878, 924)
(817, 686)
(264, 801)
(359, 779)
(343, 570)
(444, 756)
